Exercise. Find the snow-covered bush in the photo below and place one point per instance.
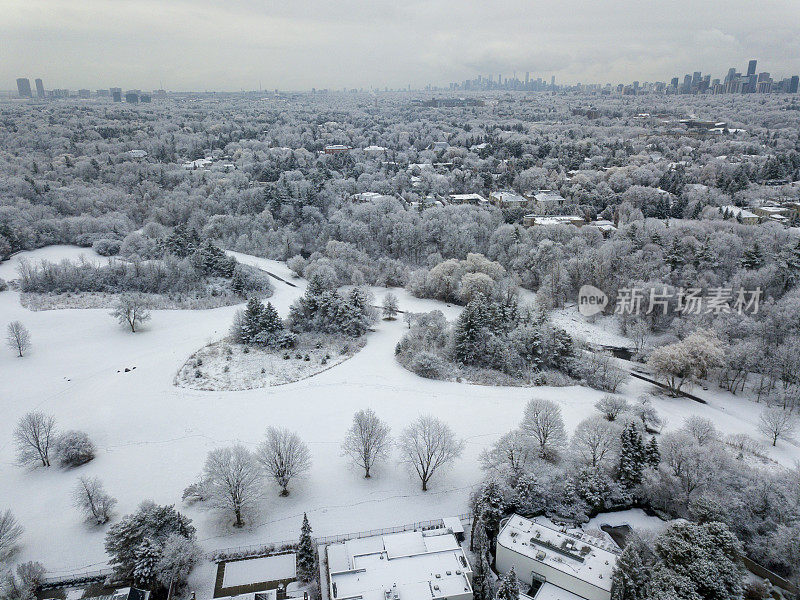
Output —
(107, 247)
(428, 365)
(74, 448)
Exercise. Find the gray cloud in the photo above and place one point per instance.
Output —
(205, 44)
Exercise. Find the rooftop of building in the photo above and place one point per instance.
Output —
(575, 553)
(411, 565)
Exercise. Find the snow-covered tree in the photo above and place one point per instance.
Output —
(509, 586)
(178, 557)
(390, 308)
(513, 452)
(427, 445)
(18, 337)
(367, 441)
(776, 423)
(306, 553)
(284, 457)
(611, 406)
(34, 436)
(10, 532)
(595, 441)
(92, 499)
(702, 429)
(150, 522)
(632, 456)
(232, 480)
(543, 423)
(631, 577)
(131, 310)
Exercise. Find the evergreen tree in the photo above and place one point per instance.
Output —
(270, 320)
(306, 556)
(251, 321)
(632, 457)
(482, 579)
(674, 257)
(146, 562)
(509, 588)
(652, 453)
(753, 257)
(468, 332)
(631, 576)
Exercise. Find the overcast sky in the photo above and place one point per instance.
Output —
(239, 44)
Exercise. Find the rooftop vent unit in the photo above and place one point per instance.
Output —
(541, 555)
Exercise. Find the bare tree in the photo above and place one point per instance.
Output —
(131, 310)
(367, 440)
(776, 423)
(34, 435)
(232, 480)
(543, 422)
(428, 444)
(595, 440)
(611, 406)
(10, 532)
(93, 500)
(18, 337)
(702, 429)
(284, 456)
(514, 451)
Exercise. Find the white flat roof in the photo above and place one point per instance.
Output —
(548, 591)
(575, 553)
(418, 564)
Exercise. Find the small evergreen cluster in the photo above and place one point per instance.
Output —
(635, 456)
(259, 324)
(327, 311)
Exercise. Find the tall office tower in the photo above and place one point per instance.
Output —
(39, 88)
(553, 82)
(24, 87)
(696, 76)
(751, 67)
(793, 84)
(500, 79)
(674, 82)
(731, 75)
(527, 77)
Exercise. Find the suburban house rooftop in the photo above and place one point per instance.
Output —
(412, 565)
(577, 554)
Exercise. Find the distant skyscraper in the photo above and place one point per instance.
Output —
(696, 76)
(793, 84)
(731, 75)
(24, 87)
(553, 82)
(39, 88)
(751, 67)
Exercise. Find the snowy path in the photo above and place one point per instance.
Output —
(153, 437)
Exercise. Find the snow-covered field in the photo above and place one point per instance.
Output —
(256, 570)
(228, 366)
(153, 437)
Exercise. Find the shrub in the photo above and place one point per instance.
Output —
(74, 448)
(428, 365)
(107, 247)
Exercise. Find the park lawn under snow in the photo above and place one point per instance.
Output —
(153, 437)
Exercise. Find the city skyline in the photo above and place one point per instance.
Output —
(694, 82)
(194, 46)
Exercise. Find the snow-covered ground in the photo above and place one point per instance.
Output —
(153, 437)
(602, 330)
(257, 570)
